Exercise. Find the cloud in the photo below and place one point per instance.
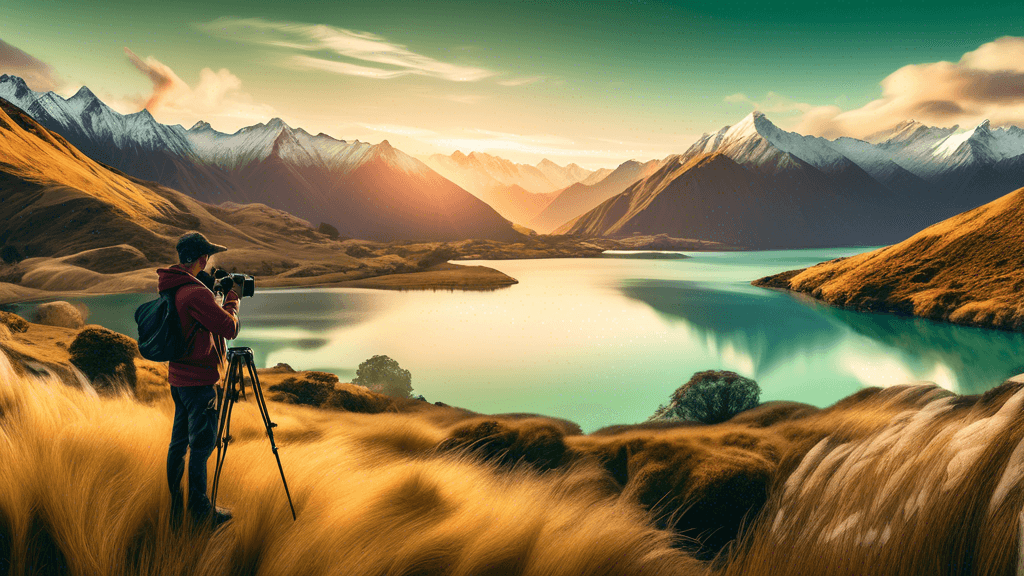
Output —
(522, 81)
(772, 103)
(37, 74)
(986, 84)
(217, 98)
(392, 60)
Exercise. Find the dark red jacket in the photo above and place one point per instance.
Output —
(205, 363)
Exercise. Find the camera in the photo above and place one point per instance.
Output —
(220, 282)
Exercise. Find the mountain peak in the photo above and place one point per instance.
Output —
(385, 145)
(84, 94)
(276, 123)
(20, 89)
(753, 124)
(546, 162)
(200, 126)
(458, 156)
(143, 114)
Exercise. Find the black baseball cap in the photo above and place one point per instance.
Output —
(194, 245)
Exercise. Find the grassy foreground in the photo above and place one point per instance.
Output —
(898, 481)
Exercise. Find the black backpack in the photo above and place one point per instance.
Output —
(160, 337)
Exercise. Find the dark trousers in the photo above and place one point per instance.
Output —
(195, 430)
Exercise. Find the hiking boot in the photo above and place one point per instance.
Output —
(210, 517)
(220, 516)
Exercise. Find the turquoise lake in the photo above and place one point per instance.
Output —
(606, 340)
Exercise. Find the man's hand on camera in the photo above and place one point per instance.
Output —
(236, 288)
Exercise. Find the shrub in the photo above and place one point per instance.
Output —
(438, 255)
(61, 314)
(540, 444)
(714, 396)
(105, 356)
(328, 230)
(10, 255)
(358, 251)
(311, 389)
(384, 376)
(14, 322)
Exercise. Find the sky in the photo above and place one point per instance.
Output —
(595, 83)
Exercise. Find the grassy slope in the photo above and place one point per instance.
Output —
(968, 269)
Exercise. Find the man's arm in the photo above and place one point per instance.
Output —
(222, 321)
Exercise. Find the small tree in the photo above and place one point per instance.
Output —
(714, 396)
(384, 376)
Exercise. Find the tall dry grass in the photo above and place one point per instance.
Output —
(84, 493)
(935, 490)
(906, 480)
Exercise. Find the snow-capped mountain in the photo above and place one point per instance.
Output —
(365, 190)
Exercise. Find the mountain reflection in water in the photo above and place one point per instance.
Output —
(966, 360)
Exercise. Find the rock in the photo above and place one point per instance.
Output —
(59, 313)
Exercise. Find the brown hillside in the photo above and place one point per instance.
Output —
(968, 269)
(71, 225)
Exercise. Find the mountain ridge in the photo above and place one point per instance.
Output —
(272, 163)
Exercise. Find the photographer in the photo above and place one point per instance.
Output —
(206, 324)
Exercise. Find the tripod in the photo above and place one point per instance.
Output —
(234, 385)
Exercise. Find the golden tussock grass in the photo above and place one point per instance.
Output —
(84, 493)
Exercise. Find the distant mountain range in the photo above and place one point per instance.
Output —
(589, 193)
(366, 191)
(759, 186)
(751, 184)
(517, 191)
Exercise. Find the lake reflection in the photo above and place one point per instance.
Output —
(605, 341)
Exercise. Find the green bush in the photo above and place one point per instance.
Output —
(714, 396)
(384, 376)
(105, 356)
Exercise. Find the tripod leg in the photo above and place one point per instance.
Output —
(262, 403)
(226, 405)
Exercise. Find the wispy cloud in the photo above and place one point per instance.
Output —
(393, 60)
(39, 75)
(772, 102)
(522, 81)
(217, 98)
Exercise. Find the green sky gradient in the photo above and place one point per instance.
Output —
(653, 73)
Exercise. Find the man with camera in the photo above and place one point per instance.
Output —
(205, 323)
